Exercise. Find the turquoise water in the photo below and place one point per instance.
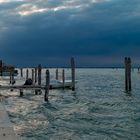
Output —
(99, 109)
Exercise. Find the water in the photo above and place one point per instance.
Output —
(99, 109)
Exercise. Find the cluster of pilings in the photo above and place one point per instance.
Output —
(36, 77)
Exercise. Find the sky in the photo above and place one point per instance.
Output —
(50, 32)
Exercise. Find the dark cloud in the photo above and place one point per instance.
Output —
(90, 31)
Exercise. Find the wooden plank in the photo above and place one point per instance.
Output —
(21, 87)
(34, 87)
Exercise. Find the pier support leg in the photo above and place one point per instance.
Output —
(73, 73)
(63, 78)
(21, 72)
(56, 74)
(27, 74)
(47, 86)
(128, 74)
(39, 79)
(33, 75)
(21, 92)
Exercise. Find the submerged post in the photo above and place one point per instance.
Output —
(47, 85)
(73, 73)
(63, 78)
(21, 72)
(128, 74)
(27, 74)
(12, 77)
(21, 92)
(39, 79)
(39, 74)
(33, 75)
(56, 74)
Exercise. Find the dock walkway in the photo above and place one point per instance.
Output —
(6, 128)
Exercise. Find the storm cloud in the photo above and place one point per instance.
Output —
(95, 32)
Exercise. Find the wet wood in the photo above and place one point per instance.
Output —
(73, 73)
(47, 87)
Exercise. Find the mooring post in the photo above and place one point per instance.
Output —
(21, 72)
(10, 77)
(39, 74)
(63, 78)
(126, 74)
(39, 79)
(129, 73)
(73, 73)
(1, 68)
(33, 75)
(27, 74)
(56, 74)
(47, 85)
(21, 92)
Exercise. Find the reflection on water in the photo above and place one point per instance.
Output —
(98, 109)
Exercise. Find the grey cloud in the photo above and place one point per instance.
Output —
(103, 29)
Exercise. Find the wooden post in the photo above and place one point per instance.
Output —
(39, 74)
(21, 92)
(73, 73)
(10, 77)
(126, 74)
(129, 74)
(39, 79)
(21, 72)
(47, 85)
(1, 68)
(63, 78)
(56, 74)
(33, 75)
(27, 74)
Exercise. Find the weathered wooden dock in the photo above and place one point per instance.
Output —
(36, 78)
(6, 128)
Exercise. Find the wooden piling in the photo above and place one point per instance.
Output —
(39, 70)
(39, 74)
(33, 75)
(47, 85)
(12, 77)
(21, 72)
(56, 74)
(27, 74)
(73, 73)
(128, 74)
(21, 92)
(63, 78)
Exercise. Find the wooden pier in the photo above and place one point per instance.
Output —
(36, 77)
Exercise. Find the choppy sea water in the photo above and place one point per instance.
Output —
(99, 109)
